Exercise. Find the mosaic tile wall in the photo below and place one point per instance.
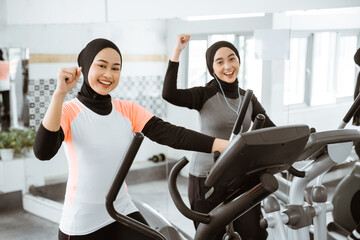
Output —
(144, 90)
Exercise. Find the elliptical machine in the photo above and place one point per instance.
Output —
(303, 219)
(245, 169)
(346, 213)
(249, 179)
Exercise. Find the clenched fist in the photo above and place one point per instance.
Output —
(181, 41)
(180, 44)
(67, 79)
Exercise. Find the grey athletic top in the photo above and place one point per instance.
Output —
(216, 117)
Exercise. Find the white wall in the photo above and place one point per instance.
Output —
(2, 19)
(54, 12)
(3, 14)
(71, 38)
(92, 11)
(329, 19)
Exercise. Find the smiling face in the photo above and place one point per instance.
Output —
(104, 72)
(226, 64)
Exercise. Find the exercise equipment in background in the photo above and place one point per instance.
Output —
(302, 220)
(346, 202)
(158, 158)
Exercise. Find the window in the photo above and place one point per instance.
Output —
(197, 63)
(322, 84)
(346, 70)
(321, 69)
(250, 73)
(295, 72)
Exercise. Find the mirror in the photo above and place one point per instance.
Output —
(14, 77)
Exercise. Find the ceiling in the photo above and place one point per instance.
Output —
(97, 11)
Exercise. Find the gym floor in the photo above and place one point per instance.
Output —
(17, 224)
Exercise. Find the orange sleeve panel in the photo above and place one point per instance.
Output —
(69, 112)
(4, 70)
(137, 114)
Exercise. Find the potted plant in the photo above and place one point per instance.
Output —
(27, 139)
(16, 141)
(8, 144)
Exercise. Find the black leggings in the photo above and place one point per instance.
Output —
(247, 225)
(114, 231)
(5, 117)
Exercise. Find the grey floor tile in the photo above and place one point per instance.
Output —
(156, 194)
(20, 225)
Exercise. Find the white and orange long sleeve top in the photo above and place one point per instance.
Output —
(94, 145)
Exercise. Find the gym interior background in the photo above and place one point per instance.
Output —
(297, 57)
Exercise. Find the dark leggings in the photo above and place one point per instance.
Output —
(5, 118)
(114, 231)
(247, 225)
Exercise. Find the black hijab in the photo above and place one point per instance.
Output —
(210, 53)
(96, 102)
(230, 89)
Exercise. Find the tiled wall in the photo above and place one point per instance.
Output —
(144, 90)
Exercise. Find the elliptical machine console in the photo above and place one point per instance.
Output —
(254, 153)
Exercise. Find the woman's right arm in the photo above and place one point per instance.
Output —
(173, 95)
(50, 135)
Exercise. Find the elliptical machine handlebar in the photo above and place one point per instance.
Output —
(354, 107)
(174, 192)
(223, 213)
(127, 161)
(242, 113)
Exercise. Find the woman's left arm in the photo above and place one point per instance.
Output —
(181, 138)
(258, 109)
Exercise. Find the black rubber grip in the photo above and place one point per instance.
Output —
(259, 122)
(263, 224)
(296, 172)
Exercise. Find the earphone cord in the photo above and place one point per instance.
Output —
(237, 112)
